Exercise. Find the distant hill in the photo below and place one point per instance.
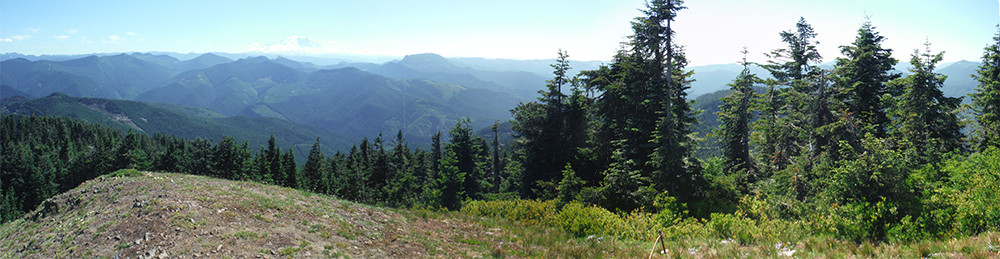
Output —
(347, 100)
(200, 62)
(433, 67)
(122, 76)
(225, 88)
(960, 82)
(7, 91)
(185, 122)
(118, 77)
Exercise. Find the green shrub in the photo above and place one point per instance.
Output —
(583, 220)
(527, 211)
(974, 191)
(576, 218)
(729, 226)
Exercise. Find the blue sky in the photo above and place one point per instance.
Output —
(713, 31)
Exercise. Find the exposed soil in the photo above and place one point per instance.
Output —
(164, 215)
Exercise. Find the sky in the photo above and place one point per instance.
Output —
(712, 31)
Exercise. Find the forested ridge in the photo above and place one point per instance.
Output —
(857, 152)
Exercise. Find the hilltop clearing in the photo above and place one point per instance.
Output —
(161, 215)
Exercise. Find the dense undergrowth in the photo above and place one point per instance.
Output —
(961, 202)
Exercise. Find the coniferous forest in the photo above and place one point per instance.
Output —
(856, 152)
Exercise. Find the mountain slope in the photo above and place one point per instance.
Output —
(225, 88)
(347, 100)
(121, 76)
(960, 82)
(185, 122)
(353, 101)
(433, 67)
(163, 215)
(201, 62)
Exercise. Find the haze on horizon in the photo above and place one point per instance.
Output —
(713, 31)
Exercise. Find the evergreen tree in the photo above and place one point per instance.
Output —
(791, 120)
(734, 133)
(795, 122)
(274, 170)
(314, 169)
(261, 167)
(495, 173)
(569, 186)
(863, 73)
(290, 170)
(624, 188)
(927, 123)
(227, 159)
(528, 125)
(435, 150)
(337, 177)
(468, 154)
(986, 99)
(793, 63)
(199, 162)
(401, 189)
(674, 166)
(448, 187)
(380, 171)
(542, 133)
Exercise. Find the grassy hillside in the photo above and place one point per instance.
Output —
(167, 215)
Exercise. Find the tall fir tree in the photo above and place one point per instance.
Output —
(289, 170)
(926, 121)
(314, 169)
(798, 107)
(735, 115)
(468, 155)
(986, 99)
(447, 190)
(542, 133)
(495, 172)
(863, 73)
(792, 68)
(673, 166)
(274, 163)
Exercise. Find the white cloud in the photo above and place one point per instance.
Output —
(131, 33)
(33, 30)
(6, 40)
(113, 39)
(72, 31)
(20, 37)
(61, 37)
(295, 45)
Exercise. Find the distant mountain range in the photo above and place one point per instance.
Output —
(346, 100)
(419, 94)
(181, 121)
